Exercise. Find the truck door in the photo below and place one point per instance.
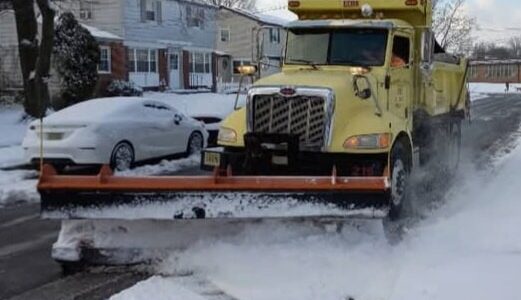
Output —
(401, 77)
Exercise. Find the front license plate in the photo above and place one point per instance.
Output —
(212, 159)
(280, 160)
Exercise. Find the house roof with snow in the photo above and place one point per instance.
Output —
(261, 18)
(101, 34)
(200, 3)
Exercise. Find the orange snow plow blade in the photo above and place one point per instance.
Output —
(218, 196)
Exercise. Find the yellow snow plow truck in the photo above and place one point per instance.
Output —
(364, 96)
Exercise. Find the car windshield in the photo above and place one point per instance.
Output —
(326, 46)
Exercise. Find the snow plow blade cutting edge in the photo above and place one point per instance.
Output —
(225, 196)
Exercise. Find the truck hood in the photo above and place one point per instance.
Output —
(338, 80)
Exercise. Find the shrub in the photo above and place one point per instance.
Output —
(123, 88)
(76, 58)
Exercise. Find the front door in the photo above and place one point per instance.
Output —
(174, 71)
(401, 73)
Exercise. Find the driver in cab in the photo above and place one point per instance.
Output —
(397, 61)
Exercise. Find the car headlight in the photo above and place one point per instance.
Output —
(227, 135)
(368, 141)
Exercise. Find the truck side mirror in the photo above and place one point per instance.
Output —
(427, 50)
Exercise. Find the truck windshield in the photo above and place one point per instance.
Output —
(352, 47)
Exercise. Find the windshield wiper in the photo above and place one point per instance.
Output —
(353, 63)
(307, 62)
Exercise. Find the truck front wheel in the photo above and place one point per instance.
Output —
(398, 202)
(399, 181)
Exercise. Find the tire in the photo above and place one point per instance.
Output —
(72, 268)
(453, 148)
(399, 197)
(400, 170)
(122, 157)
(195, 143)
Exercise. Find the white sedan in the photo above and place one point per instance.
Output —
(117, 131)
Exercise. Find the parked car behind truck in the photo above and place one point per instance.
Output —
(117, 131)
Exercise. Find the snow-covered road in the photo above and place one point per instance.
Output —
(468, 249)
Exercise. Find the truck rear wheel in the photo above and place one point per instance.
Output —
(453, 147)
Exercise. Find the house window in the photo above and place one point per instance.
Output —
(200, 62)
(151, 11)
(142, 60)
(85, 10)
(275, 35)
(152, 61)
(225, 35)
(195, 16)
(239, 62)
(104, 61)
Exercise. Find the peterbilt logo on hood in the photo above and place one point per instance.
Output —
(288, 91)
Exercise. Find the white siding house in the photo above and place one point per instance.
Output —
(10, 70)
(170, 42)
(246, 38)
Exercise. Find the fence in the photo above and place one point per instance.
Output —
(224, 87)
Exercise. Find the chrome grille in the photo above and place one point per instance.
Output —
(301, 115)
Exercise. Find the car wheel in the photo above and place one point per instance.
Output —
(195, 143)
(122, 157)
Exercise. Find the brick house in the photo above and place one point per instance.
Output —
(169, 43)
(154, 43)
(111, 67)
(495, 71)
(113, 64)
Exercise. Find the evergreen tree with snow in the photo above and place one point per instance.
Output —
(76, 57)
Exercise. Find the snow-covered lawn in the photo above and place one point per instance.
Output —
(12, 131)
(484, 90)
(15, 186)
(469, 249)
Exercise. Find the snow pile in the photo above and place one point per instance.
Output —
(469, 249)
(484, 90)
(204, 104)
(161, 288)
(17, 187)
(165, 167)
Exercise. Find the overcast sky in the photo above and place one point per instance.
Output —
(497, 19)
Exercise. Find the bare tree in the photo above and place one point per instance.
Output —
(243, 4)
(452, 26)
(515, 46)
(5, 4)
(35, 56)
(490, 50)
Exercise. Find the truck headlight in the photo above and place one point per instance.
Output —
(227, 135)
(368, 141)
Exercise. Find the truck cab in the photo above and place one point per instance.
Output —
(364, 91)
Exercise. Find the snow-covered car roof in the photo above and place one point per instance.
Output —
(96, 110)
